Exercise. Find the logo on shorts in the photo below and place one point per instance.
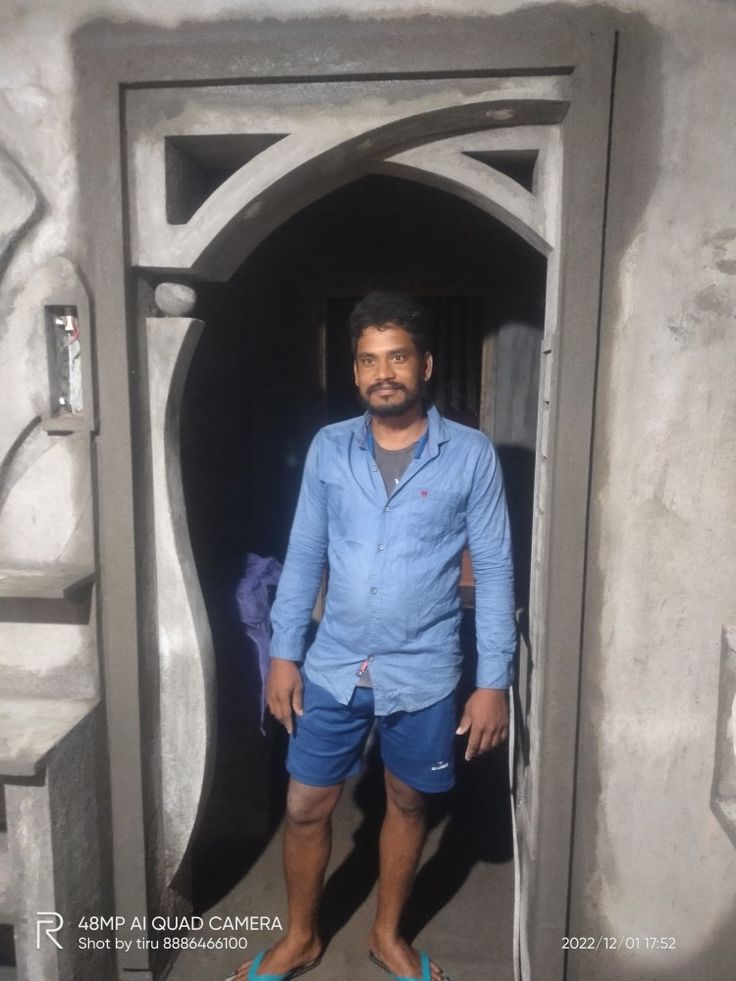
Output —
(440, 766)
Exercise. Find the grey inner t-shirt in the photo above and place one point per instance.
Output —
(392, 464)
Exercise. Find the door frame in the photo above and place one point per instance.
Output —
(112, 57)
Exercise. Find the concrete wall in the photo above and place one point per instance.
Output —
(650, 859)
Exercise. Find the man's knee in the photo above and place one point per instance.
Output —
(308, 806)
(403, 797)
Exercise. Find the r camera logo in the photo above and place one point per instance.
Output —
(51, 923)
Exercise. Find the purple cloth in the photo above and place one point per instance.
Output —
(254, 607)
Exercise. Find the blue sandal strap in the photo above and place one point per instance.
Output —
(253, 976)
(263, 977)
(425, 966)
(255, 965)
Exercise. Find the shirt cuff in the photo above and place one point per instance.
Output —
(287, 651)
(496, 674)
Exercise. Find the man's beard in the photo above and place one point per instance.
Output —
(389, 410)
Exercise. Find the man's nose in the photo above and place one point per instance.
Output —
(386, 368)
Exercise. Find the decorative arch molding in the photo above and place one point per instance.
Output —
(354, 130)
(185, 649)
(22, 206)
(448, 165)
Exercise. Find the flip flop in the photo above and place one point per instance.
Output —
(424, 964)
(295, 972)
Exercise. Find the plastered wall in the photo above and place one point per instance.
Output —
(649, 858)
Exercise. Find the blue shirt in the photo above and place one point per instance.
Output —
(394, 566)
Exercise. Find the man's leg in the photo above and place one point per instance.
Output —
(307, 843)
(401, 843)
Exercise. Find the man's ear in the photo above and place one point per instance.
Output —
(428, 364)
(355, 371)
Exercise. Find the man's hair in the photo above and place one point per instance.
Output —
(383, 307)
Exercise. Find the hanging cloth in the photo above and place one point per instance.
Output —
(254, 606)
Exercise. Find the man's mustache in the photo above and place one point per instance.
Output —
(397, 386)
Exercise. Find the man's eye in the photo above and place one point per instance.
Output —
(399, 357)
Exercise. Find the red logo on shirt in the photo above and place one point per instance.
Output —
(424, 492)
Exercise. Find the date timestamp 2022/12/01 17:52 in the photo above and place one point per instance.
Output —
(619, 943)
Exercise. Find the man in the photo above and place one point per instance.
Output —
(388, 501)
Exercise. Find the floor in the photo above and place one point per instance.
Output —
(461, 910)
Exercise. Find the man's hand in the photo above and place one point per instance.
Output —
(284, 691)
(486, 718)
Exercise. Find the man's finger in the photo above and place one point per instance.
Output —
(274, 704)
(464, 725)
(281, 711)
(497, 737)
(487, 740)
(287, 721)
(296, 700)
(472, 747)
(286, 718)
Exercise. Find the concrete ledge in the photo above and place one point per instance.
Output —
(58, 582)
(31, 727)
(46, 595)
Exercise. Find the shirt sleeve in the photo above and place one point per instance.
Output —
(489, 540)
(305, 562)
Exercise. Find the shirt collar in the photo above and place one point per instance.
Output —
(437, 432)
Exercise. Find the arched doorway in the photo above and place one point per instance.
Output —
(511, 173)
(270, 368)
(225, 192)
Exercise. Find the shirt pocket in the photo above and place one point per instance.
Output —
(435, 514)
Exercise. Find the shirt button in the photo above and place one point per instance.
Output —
(387, 508)
(371, 658)
(375, 470)
(374, 590)
(380, 548)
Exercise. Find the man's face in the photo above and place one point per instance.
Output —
(390, 373)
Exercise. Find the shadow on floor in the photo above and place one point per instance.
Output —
(477, 828)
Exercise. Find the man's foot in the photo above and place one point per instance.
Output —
(285, 956)
(398, 957)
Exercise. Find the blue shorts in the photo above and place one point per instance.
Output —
(329, 739)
